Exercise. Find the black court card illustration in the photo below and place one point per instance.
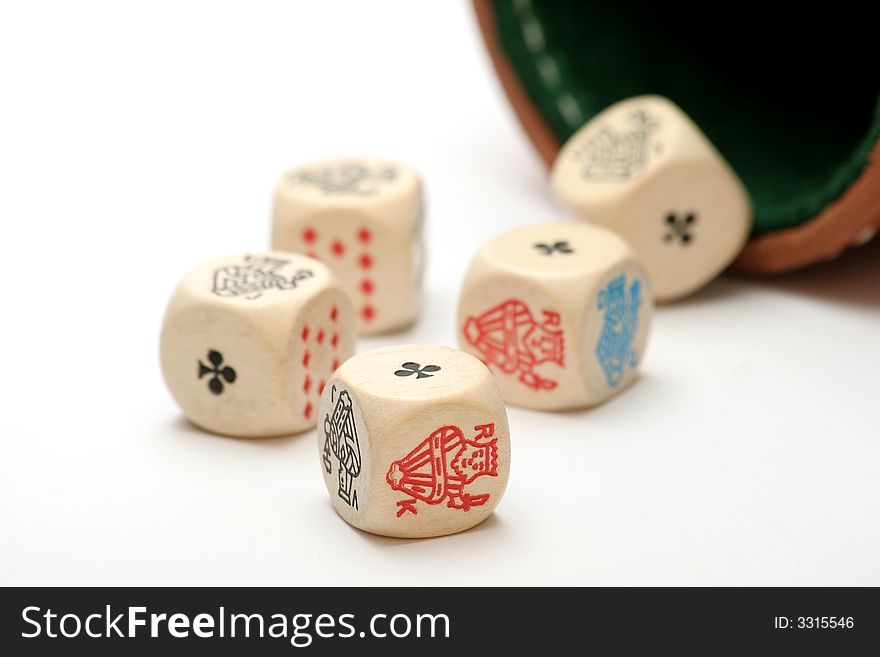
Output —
(614, 155)
(256, 275)
(346, 179)
(341, 441)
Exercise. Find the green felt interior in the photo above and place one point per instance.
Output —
(784, 101)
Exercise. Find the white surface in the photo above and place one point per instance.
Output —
(136, 142)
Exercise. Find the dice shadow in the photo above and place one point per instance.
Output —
(435, 324)
(852, 279)
(492, 524)
(646, 384)
(181, 424)
(723, 288)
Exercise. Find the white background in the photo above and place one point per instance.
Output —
(138, 141)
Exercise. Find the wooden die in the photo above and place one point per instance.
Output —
(644, 170)
(559, 312)
(363, 218)
(413, 441)
(248, 342)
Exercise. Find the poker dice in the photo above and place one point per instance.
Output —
(644, 170)
(413, 441)
(559, 312)
(248, 342)
(363, 218)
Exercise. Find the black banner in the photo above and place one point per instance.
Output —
(422, 621)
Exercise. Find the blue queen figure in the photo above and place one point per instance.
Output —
(621, 321)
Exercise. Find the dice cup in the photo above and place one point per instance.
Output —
(782, 98)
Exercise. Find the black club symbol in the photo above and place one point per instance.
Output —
(556, 247)
(680, 227)
(414, 368)
(218, 372)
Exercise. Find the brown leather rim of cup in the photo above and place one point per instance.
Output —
(851, 219)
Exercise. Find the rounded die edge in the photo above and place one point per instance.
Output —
(312, 184)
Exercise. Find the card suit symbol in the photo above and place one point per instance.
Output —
(365, 261)
(368, 313)
(561, 246)
(309, 235)
(364, 235)
(410, 368)
(680, 228)
(219, 373)
(338, 248)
